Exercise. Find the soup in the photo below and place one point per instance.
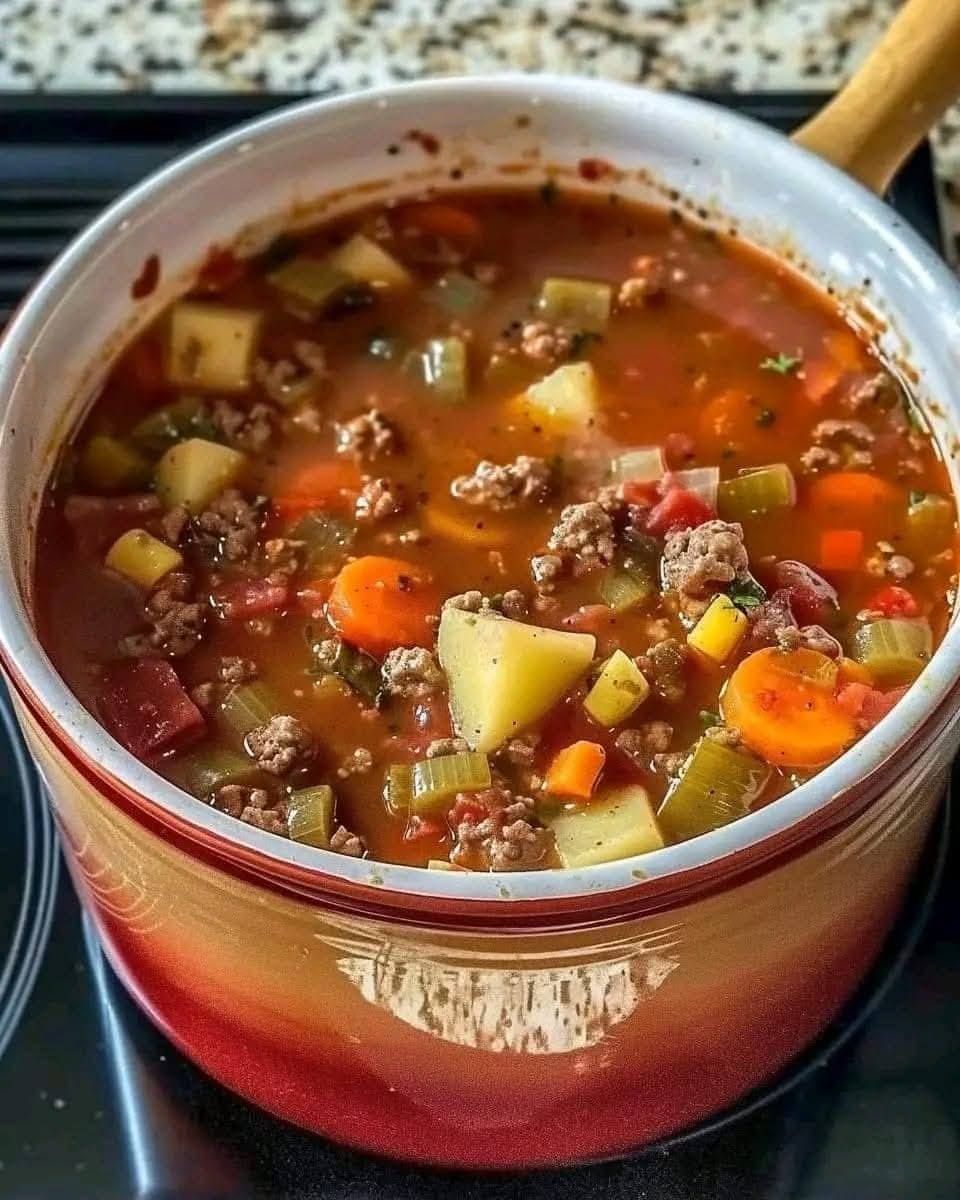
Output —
(496, 532)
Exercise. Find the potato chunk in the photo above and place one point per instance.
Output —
(142, 558)
(362, 259)
(615, 825)
(212, 346)
(504, 675)
(566, 397)
(194, 472)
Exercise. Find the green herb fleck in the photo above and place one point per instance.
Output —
(782, 364)
(766, 417)
(708, 719)
(549, 191)
(747, 593)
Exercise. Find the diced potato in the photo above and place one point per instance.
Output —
(194, 472)
(620, 689)
(616, 825)
(212, 346)
(567, 396)
(310, 284)
(720, 630)
(142, 558)
(366, 262)
(503, 674)
(109, 465)
(582, 303)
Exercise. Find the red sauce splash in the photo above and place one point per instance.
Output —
(146, 282)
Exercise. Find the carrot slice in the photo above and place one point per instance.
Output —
(575, 770)
(381, 603)
(785, 707)
(840, 549)
(332, 483)
(441, 220)
(851, 496)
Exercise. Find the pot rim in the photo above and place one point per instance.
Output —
(814, 805)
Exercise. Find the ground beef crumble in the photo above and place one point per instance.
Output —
(249, 429)
(726, 735)
(877, 391)
(233, 669)
(819, 458)
(647, 280)
(282, 557)
(233, 798)
(809, 637)
(543, 343)
(176, 620)
(697, 561)
(664, 666)
(640, 744)
(378, 500)
(501, 487)
(585, 532)
(344, 842)
(229, 529)
(546, 569)
(412, 673)
(512, 603)
(360, 762)
(444, 746)
(366, 436)
(280, 745)
(506, 838)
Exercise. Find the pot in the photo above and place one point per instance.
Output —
(474, 1020)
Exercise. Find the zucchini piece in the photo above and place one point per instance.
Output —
(581, 303)
(310, 815)
(458, 294)
(436, 781)
(717, 785)
(620, 689)
(644, 465)
(363, 261)
(567, 396)
(142, 558)
(184, 418)
(325, 538)
(247, 706)
(310, 285)
(618, 824)
(204, 771)
(109, 465)
(894, 649)
(212, 346)
(756, 491)
(194, 472)
(931, 522)
(720, 630)
(443, 367)
(357, 669)
(504, 675)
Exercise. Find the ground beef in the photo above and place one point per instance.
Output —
(819, 458)
(695, 561)
(646, 281)
(546, 569)
(272, 819)
(886, 561)
(725, 735)
(520, 751)
(250, 429)
(228, 530)
(411, 673)
(769, 622)
(543, 343)
(878, 391)
(664, 666)
(176, 620)
(284, 381)
(173, 524)
(360, 762)
(366, 436)
(900, 567)
(280, 745)
(584, 531)
(379, 499)
(506, 839)
(345, 842)
(233, 669)
(472, 601)
(313, 356)
(232, 798)
(810, 637)
(523, 481)
(839, 433)
(282, 556)
(520, 846)
(669, 765)
(204, 695)
(639, 745)
(443, 746)
(513, 604)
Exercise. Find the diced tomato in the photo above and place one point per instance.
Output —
(867, 705)
(248, 598)
(97, 521)
(813, 600)
(679, 509)
(644, 494)
(421, 828)
(146, 708)
(467, 808)
(894, 601)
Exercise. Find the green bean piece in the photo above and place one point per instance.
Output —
(357, 669)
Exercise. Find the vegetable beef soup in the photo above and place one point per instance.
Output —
(496, 532)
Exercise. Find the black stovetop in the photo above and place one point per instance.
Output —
(95, 1105)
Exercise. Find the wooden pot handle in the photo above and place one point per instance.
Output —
(895, 98)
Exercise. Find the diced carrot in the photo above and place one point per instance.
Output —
(470, 531)
(851, 496)
(850, 671)
(840, 549)
(332, 483)
(728, 416)
(440, 220)
(575, 770)
(785, 708)
(381, 603)
(820, 377)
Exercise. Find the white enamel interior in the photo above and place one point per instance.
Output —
(780, 196)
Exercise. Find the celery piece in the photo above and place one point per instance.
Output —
(702, 481)
(618, 824)
(643, 465)
(756, 491)
(458, 294)
(310, 815)
(436, 781)
(931, 522)
(184, 418)
(894, 649)
(398, 790)
(620, 689)
(204, 771)
(364, 261)
(247, 706)
(621, 590)
(580, 303)
(717, 785)
(443, 366)
(325, 538)
(109, 465)
(142, 558)
(310, 284)
(357, 669)
(212, 346)
(194, 472)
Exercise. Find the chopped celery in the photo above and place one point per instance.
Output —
(435, 782)
(581, 303)
(212, 346)
(620, 689)
(324, 537)
(931, 522)
(365, 262)
(310, 284)
(109, 465)
(757, 491)
(567, 396)
(194, 472)
(247, 706)
(310, 815)
(717, 785)
(357, 669)
(644, 465)
(186, 417)
(443, 367)
(617, 824)
(142, 558)
(630, 581)
(894, 650)
(398, 791)
(458, 294)
(720, 629)
(204, 771)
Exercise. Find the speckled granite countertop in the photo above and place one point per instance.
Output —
(331, 45)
